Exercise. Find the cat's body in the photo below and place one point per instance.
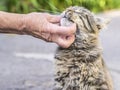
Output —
(81, 66)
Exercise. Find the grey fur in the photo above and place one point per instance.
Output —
(81, 66)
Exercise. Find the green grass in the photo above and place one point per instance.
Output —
(56, 6)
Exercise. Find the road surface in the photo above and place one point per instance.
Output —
(27, 63)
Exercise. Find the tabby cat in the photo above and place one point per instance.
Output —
(81, 66)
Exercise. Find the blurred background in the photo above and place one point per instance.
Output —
(56, 6)
(27, 63)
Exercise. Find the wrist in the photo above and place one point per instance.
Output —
(26, 23)
(23, 24)
(31, 22)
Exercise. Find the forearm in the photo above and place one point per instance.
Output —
(12, 23)
(39, 25)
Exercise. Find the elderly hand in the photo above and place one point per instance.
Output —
(46, 26)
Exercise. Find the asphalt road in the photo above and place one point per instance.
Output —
(27, 63)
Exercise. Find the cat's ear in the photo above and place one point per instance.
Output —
(102, 22)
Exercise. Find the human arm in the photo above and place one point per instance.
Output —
(11, 23)
(40, 25)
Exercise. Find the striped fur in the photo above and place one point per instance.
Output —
(81, 66)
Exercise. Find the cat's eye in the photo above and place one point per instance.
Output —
(69, 14)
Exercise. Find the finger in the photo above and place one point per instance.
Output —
(64, 30)
(65, 41)
(54, 18)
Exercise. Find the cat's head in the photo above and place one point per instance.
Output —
(88, 25)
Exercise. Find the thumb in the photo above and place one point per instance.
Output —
(54, 18)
